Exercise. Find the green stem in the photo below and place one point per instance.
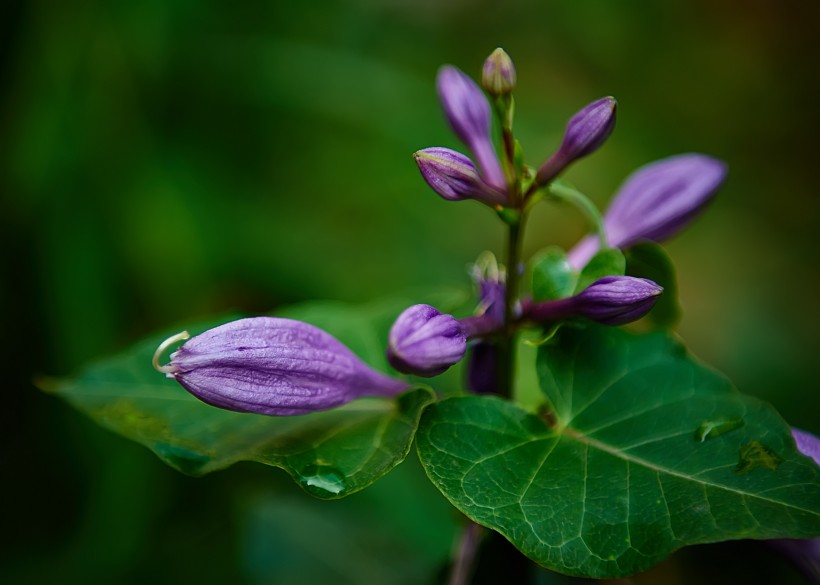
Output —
(506, 366)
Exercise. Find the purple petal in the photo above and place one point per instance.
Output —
(468, 113)
(453, 176)
(425, 342)
(586, 131)
(656, 202)
(274, 366)
(615, 300)
(661, 198)
(807, 444)
(611, 300)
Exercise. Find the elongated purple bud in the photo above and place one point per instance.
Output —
(615, 300)
(498, 74)
(453, 176)
(586, 131)
(656, 202)
(807, 444)
(425, 342)
(273, 366)
(468, 113)
(611, 300)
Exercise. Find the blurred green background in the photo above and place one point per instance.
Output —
(167, 160)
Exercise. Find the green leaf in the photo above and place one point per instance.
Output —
(552, 276)
(607, 262)
(650, 260)
(330, 454)
(620, 469)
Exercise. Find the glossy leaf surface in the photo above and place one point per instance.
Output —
(639, 450)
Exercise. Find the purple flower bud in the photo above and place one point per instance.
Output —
(611, 300)
(498, 75)
(656, 202)
(586, 131)
(453, 176)
(425, 342)
(807, 444)
(615, 300)
(273, 366)
(468, 113)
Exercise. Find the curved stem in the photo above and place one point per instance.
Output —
(465, 555)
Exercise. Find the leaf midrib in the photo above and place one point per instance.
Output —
(573, 434)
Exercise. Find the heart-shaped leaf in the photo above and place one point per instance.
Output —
(640, 450)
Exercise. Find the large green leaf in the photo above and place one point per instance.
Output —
(330, 454)
(639, 450)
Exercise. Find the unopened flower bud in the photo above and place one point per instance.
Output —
(273, 366)
(807, 444)
(656, 202)
(611, 300)
(468, 113)
(453, 176)
(615, 300)
(425, 342)
(498, 74)
(586, 131)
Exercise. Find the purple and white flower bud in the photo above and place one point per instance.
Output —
(586, 131)
(611, 300)
(468, 113)
(498, 74)
(453, 176)
(274, 366)
(656, 202)
(425, 342)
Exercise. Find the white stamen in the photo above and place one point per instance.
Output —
(169, 368)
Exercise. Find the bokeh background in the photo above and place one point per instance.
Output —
(168, 160)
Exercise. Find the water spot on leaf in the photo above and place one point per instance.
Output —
(709, 429)
(323, 481)
(755, 455)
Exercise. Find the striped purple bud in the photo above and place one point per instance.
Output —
(611, 300)
(586, 131)
(468, 113)
(454, 176)
(656, 202)
(425, 342)
(268, 365)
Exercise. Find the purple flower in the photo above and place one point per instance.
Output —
(468, 113)
(656, 202)
(274, 366)
(586, 131)
(453, 176)
(498, 74)
(611, 300)
(425, 342)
